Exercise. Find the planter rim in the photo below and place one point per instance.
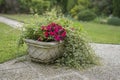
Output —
(30, 41)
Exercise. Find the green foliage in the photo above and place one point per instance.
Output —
(35, 6)
(25, 5)
(101, 20)
(70, 4)
(75, 10)
(116, 8)
(39, 6)
(86, 15)
(114, 21)
(1, 2)
(79, 6)
(85, 3)
(102, 6)
(2, 5)
(78, 53)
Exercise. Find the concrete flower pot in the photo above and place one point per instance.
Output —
(44, 52)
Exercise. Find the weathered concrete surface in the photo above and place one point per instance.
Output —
(25, 73)
(28, 70)
(110, 57)
(11, 65)
(103, 73)
(109, 53)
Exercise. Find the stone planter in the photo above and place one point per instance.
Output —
(44, 51)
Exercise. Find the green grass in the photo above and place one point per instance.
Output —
(8, 43)
(99, 33)
(102, 33)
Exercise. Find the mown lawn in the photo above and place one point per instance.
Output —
(102, 33)
(99, 33)
(8, 43)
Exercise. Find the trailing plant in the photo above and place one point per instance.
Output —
(114, 21)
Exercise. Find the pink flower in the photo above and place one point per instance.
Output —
(63, 34)
(51, 33)
(54, 31)
(57, 38)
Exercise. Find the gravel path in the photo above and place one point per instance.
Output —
(110, 57)
(12, 23)
(109, 54)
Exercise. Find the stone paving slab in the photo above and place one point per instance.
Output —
(12, 65)
(27, 70)
(48, 70)
(109, 53)
(103, 73)
(52, 72)
(69, 76)
(25, 73)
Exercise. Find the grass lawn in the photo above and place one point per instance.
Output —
(8, 43)
(100, 33)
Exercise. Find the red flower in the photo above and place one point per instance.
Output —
(51, 33)
(57, 38)
(63, 34)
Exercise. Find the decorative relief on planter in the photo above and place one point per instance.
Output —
(44, 51)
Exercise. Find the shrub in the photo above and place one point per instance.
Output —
(1, 2)
(114, 21)
(78, 6)
(116, 8)
(34, 6)
(25, 5)
(102, 6)
(75, 10)
(101, 20)
(39, 6)
(86, 15)
(2, 6)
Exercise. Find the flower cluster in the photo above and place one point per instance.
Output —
(53, 32)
